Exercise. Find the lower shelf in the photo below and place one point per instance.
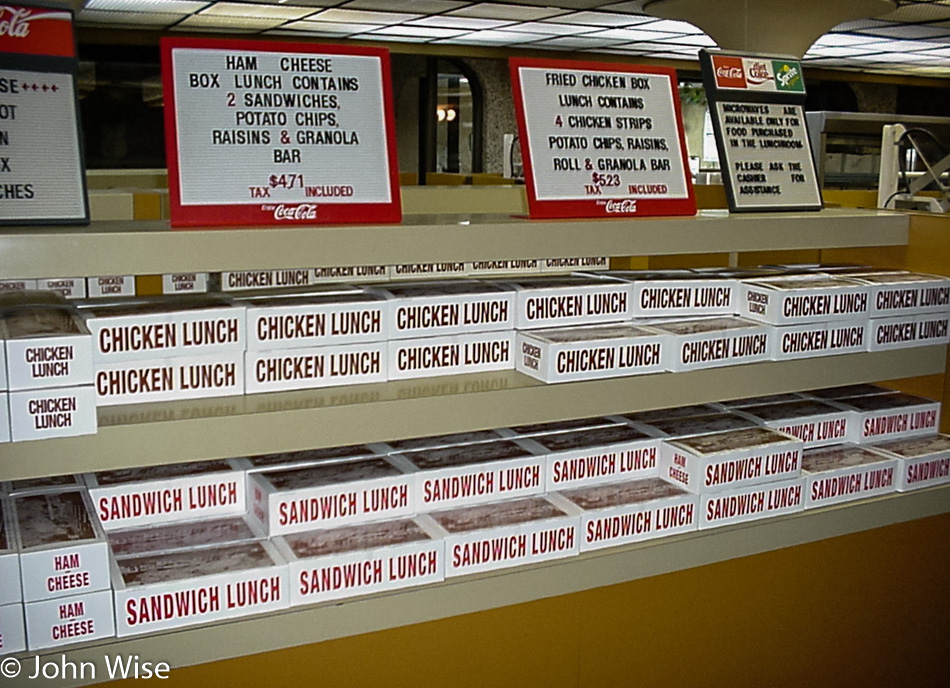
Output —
(502, 588)
(172, 432)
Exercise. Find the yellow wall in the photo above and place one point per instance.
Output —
(869, 609)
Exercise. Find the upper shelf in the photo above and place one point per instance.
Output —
(146, 248)
(179, 431)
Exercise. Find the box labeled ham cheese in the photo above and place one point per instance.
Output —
(63, 551)
(457, 354)
(908, 331)
(715, 342)
(133, 497)
(330, 494)
(815, 423)
(820, 339)
(504, 534)
(192, 586)
(731, 459)
(751, 503)
(846, 472)
(590, 352)
(802, 299)
(570, 300)
(473, 474)
(165, 326)
(68, 620)
(597, 455)
(12, 631)
(169, 379)
(47, 343)
(632, 511)
(314, 367)
(923, 461)
(10, 591)
(429, 309)
(901, 293)
(362, 559)
(318, 319)
(882, 417)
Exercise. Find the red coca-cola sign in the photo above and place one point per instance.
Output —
(729, 71)
(36, 31)
(304, 211)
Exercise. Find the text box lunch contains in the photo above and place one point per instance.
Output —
(278, 133)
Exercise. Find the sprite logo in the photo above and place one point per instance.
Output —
(788, 76)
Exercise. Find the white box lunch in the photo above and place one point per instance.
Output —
(192, 586)
(751, 503)
(12, 631)
(801, 299)
(68, 620)
(38, 414)
(681, 296)
(590, 352)
(132, 497)
(63, 551)
(503, 268)
(924, 461)
(473, 474)
(427, 271)
(715, 342)
(361, 559)
(826, 338)
(597, 455)
(351, 273)
(429, 309)
(905, 293)
(570, 300)
(731, 459)
(170, 379)
(504, 534)
(305, 456)
(814, 422)
(890, 416)
(329, 494)
(316, 320)
(162, 327)
(314, 367)
(189, 534)
(547, 427)
(632, 511)
(688, 426)
(47, 343)
(69, 287)
(908, 331)
(456, 354)
(846, 472)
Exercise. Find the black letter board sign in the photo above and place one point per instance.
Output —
(757, 107)
(42, 178)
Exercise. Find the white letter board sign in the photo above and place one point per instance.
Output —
(42, 177)
(265, 133)
(601, 139)
(757, 103)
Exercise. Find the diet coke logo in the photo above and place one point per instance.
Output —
(15, 22)
(759, 73)
(625, 206)
(304, 211)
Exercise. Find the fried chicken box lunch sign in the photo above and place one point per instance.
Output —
(42, 180)
(601, 139)
(757, 106)
(264, 133)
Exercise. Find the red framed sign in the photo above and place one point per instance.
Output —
(266, 133)
(42, 175)
(601, 139)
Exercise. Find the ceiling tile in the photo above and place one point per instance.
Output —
(202, 21)
(341, 28)
(414, 6)
(579, 42)
(363, 17)
(236, 9)
(181, 7)
(551, 29)
(127, 18)
(493, 37)
(632, 35)
(697, 40)
(468, 23)
(492, 10)
(597, 19)
(675, 26)
(417, 31)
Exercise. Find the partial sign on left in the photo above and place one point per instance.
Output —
(42, 176)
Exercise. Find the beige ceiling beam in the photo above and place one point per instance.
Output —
(768, 26)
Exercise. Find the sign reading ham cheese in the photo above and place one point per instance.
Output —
(262, 133)
(42, 180)
(601, 140)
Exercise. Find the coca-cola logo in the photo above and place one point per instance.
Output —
(15, 21)
(624, 206)
(304, 211)
(729, 72)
